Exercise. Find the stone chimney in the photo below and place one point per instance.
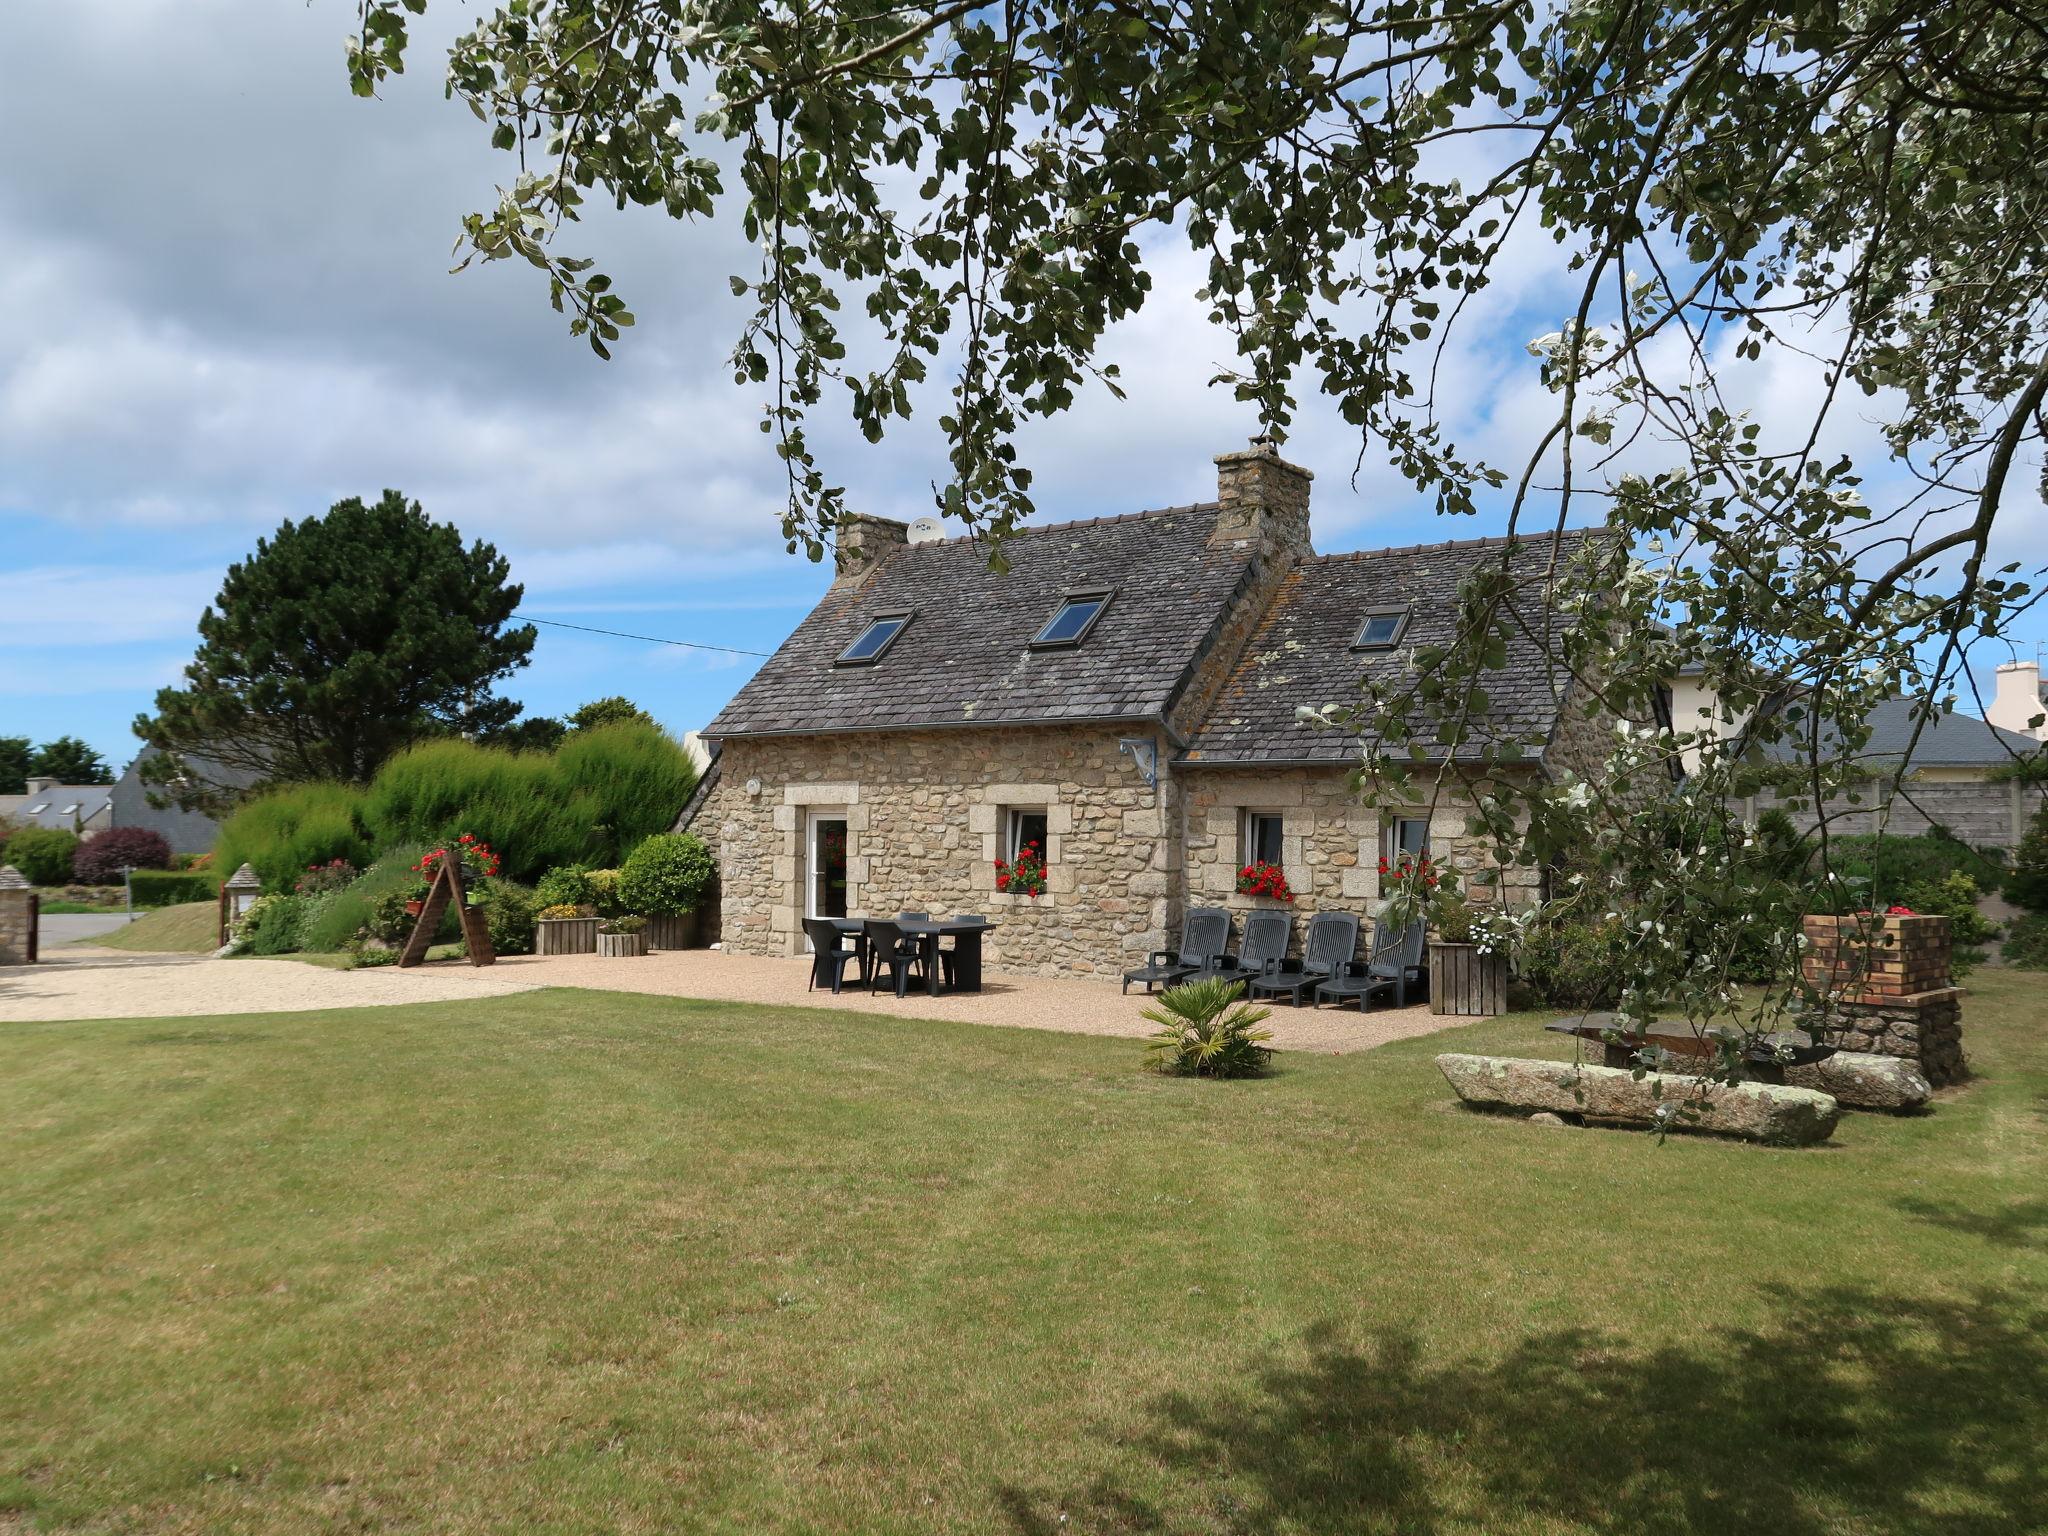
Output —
(37, 786)
(2018, 700)
(1261, 496)
(861, 543)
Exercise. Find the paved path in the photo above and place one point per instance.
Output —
(85, 983)
(69, 927)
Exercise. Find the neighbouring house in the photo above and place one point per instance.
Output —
(186, 831)
(2017, 702)
(1124, 696)
(1951, 771)
(81, 808)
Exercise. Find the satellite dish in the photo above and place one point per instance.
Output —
(925, 530)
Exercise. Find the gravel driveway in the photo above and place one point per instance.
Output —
(85, 983)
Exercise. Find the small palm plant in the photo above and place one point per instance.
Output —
(1202, 1035)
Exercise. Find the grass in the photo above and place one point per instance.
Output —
(588, 1262)
(191, 927)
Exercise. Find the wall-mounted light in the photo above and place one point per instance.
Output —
(1144, 751)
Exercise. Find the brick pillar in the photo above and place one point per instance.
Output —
(1883, 987)
(18, 914)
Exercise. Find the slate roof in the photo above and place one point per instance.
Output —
(965, 659)
(1301, 652)
(60, 806)
(1946, 741)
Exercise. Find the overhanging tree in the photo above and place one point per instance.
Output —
(1858, 188)
(341, 640)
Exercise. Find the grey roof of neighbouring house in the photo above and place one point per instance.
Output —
(1945, 741)
(1301, 652)
(966, 658)
(62, 806)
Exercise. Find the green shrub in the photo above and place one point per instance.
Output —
(604, 891)
(633, 778)
(42, 854)
(272, 925)
(1572, 963)
(363, 956)
(669, 872)
(509, 910)
(566, 885)
(2028, 885)
(514, 801)
(2026, 946)
(169, 888)
(1205, 1030)
(281, 833)
(1876, 872)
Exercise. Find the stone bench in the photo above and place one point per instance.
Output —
(1762, 1112)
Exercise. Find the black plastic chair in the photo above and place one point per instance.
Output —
(1204, 941)
(1329, 945)
(895, 954)
(1264, 951)
(1395, 957)
(830, 954)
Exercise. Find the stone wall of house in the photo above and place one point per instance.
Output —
(1330, 844)
(925, 815)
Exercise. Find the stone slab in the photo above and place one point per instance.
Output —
(1760, 1112)
(1864, 1081)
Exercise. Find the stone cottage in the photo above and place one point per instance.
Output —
(1125, 696)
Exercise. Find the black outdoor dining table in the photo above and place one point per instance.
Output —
(966, 936)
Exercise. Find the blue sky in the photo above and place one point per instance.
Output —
(224, 301)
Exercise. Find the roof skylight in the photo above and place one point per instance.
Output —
(1382, 627)
(869, 645)
(1071, 621)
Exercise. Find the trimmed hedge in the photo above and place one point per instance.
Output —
(169, 887)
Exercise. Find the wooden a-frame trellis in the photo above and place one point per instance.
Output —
(446, 887)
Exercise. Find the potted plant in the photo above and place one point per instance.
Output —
(618, 937)
(1260, 878)
(666, 878)
(479, 862)
(565, 929)
(1468, 944)
(1026, 875)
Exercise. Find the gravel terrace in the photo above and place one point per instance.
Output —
(79, 982)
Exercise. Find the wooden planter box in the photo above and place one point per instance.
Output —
(565, 936)
(674, 930)
(1464, 982)
(618, 945)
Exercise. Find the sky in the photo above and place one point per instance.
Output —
(225, 301)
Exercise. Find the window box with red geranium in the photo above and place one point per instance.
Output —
(1261, 878)
(1023, 875)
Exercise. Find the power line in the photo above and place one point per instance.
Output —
(620, 634)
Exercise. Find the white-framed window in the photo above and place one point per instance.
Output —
(1259, 837)
(1407, 834)
(1025, 828)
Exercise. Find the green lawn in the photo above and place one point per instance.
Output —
(587, 1262)
(190, 927)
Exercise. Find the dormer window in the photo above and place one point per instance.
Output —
(1072, 619)
(880, 634)
(1382, 627)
